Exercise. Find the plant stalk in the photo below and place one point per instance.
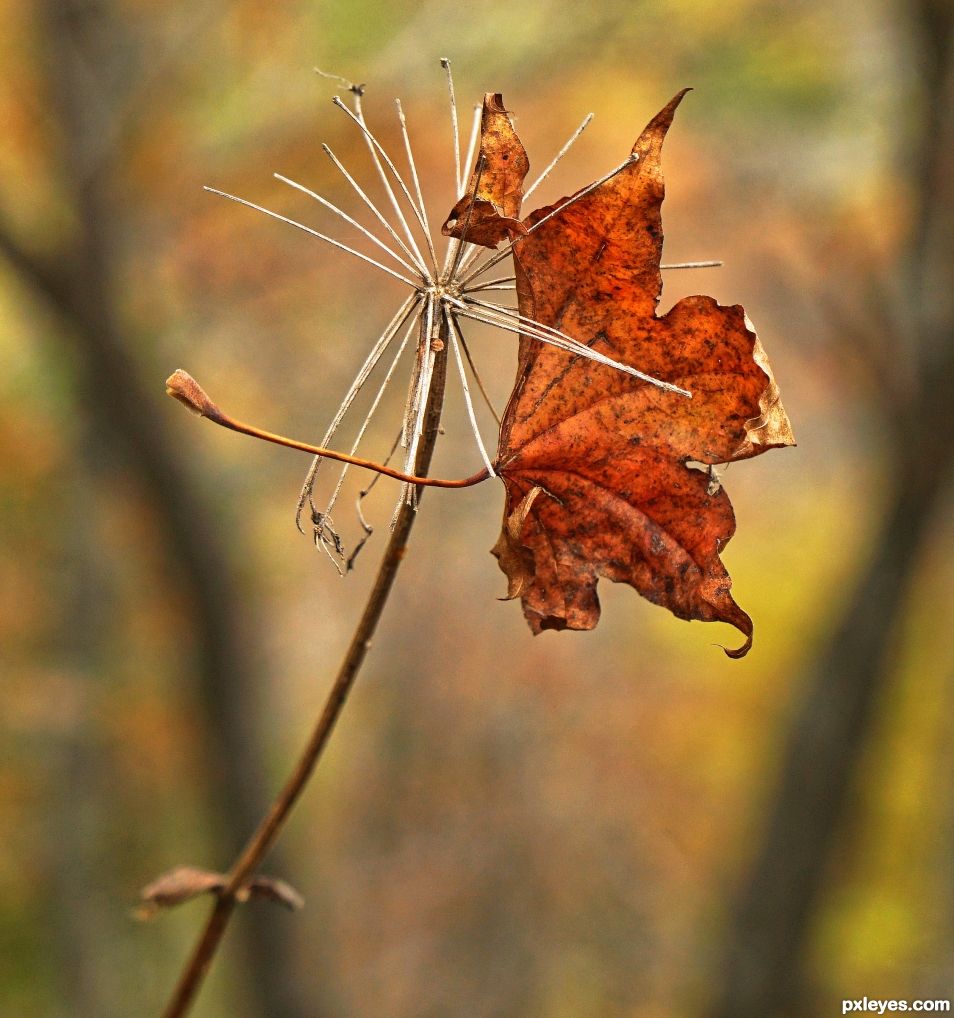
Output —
(268, 830)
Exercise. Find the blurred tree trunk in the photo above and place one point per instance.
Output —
(89, 63)
(77, 911)
(763, 973)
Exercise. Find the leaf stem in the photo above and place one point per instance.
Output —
(183, 387)
(268, 830)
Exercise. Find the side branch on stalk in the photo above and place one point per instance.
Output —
(183, 387)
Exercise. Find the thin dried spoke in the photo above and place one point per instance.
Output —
(381, 344)
(362, 495)
(453, 248)
(476, 373)
(500, 255)
(327, 538)
(344, 215)
(314, 233)
(426, 373)
(579, 349)
(407, 309)
(370, 414)
(693, 265)
(499, 279)
(349, 85)
(387, 459)
(411, 407)
(472, 250)
(417, 405)
(417, 183)
(417, 408)
(563, 151)
(458, 180)
(470, 256)
(377, 477)
(452, 333)
(377, 350)
(462, 248)
(472, 144)
(410, 403)
(515, 313)
(510, 321)
(492, 284)
(378, 153)
(470, 212)
(541, 330)
(420, 267)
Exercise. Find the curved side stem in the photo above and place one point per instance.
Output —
(186, 389)
(268, 830)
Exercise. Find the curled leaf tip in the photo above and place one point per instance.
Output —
(488, 212)
(183, 387)
(739, 652)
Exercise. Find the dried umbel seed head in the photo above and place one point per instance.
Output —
(611, 401)
(446, 290)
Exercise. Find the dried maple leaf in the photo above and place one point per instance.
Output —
(598, 465)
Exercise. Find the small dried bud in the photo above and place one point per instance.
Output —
(187, 882)
(178, 885)
(183, 387)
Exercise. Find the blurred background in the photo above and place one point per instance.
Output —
(579, 825)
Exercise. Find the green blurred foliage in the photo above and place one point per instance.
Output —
(503, 825)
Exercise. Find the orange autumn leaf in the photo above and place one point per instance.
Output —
(604, 473)
(487, 212)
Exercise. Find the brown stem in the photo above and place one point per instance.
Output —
(270, 827)
(183, 387)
